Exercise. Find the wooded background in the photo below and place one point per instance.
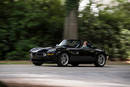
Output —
(25, 24)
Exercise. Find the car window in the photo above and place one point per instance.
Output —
(70, 43)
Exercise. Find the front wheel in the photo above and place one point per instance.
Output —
(63, 60)
(100, 61)
(37, 63)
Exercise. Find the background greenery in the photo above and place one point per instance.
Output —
(25, 24)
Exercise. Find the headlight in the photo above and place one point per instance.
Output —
(36, 49)
(44, 54)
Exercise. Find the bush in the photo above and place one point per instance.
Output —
(21, 51)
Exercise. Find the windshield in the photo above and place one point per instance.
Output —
(70, 43)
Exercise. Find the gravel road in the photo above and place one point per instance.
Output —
(82, 76)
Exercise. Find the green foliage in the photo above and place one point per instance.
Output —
(21, 50)
(71, 4)
(125, 39)
(25, 24)
(105, 29)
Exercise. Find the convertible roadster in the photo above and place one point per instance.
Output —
(69, 52)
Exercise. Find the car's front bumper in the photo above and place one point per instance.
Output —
(48, 57)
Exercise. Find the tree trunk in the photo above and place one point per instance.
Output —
(71, 23)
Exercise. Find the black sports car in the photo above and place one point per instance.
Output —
(69, 52)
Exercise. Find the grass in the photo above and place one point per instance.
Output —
(15, 62)
(118, 62)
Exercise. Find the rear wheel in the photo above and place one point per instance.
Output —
(37, 63)
(101, 60)
(63, 60)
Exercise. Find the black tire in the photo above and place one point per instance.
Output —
(74, 64)
(37, 63)
(100, 61)
(63, 60)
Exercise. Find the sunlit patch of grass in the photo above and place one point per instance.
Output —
(128, 62)
(15, 62)
(118, 63)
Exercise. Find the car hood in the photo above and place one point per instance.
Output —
(37, 49)
(34, 50)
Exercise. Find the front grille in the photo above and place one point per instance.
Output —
(37, 55)
(40, 54)
(33, 54)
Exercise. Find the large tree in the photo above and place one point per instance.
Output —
(71, 21)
